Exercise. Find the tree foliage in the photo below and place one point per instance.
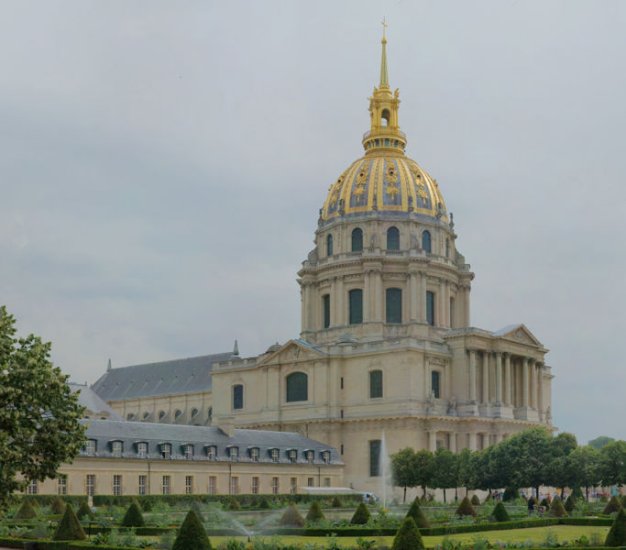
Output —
(361, 515)
(613, 463)
(499, 513)
(404, 470)
(39, 415)
(315, 512)
(465, 508)
(133, 516)
(415, 512)
(600, 441)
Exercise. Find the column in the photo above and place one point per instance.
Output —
(432, 441)
(368, 297)
(540, 390)
(508, 385)
(422, 298)
(378, 297)
(525, 382)
(452, 441)
(472, 375)
(340, 300)
(414, 300)
(485, 377)
(445, 306)
(472, 441)
(499, 378)
(466, 306)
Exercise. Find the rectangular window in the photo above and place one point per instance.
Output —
(310, 456)
(117, 448)
(435, 377)
(326, 310)
(293, 455)
(32, 488)
(90, 485)
(430, 308)
(188, 451)
(355, 301)
(293, 485)
(212, 485)
(275, 454)
(275, 486)
(166, 450)
(254, 454)
(211, 452)
(376, 384)
(117, 485)
(142, 450)
(233, 453)
(326, 482)
(255, 486)
(325, 457)
(393, 305)
(375, 458)
(234, 485)
(62, 484)
(238, 396)
(142, 484)
(90, 447)
(310, 482)
(166, 485)
(189, 485)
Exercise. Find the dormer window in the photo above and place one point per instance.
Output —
(211, 452)
(325, 457)
(275, 455)
(166, 450)
(142, 449)
(254, 454)
(233, 453)
(292, 455)
(116, 448)
(310, 456)
(91, 446)
(188, 451)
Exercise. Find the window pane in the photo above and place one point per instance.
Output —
(297, 387)
(376, 383)
(357, 240)
(329, 245)
(426, 242)
(238, 396)
(375, 458)
(435, 378)
(326, 309)
(430, 308)
(393, 238)
(355, 299)
(394, 305)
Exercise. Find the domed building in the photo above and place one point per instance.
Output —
(387, 356)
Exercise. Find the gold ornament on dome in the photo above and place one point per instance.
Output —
(361, 179)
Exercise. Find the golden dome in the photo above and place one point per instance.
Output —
(384, 184)
(384, 180)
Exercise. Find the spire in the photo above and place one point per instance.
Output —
(109, 365)
(384, 77)
(236, 348)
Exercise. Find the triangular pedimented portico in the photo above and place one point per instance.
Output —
(294, 351)
(518, 333)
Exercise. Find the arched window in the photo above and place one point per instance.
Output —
(238, 396)
(297, 387)
(393, 238)
(435, 384)
(326, 310)
(376, 383)
(426, 242)
(329, 245)
(393, 305)
(355, 303)
(430, 308)
(162, 415)
(357, 240)
(384, 117)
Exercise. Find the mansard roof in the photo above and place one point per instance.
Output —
(163, 378)
(130, 433)
(92, 402)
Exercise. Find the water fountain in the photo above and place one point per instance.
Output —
(384, 469)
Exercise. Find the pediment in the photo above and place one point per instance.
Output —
(519, 333)
(291, 352)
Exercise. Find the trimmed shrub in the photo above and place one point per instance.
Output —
(192, 535)
(291, 517)
(361, 515)
(195, 506)
(617, 533)
(510, 494)
(69, 527)
(570, 503)
(500, 514)
(233, 505)
(465, 508)
(315, 512)
(557, 510)
(418, 516)
(25, 511)
(57, 506)
(133, 516)
(613, 505)
(336, 503)
(264, 504)
(544, 502)
(577, 493)
(408, 536)
(475, 500)
(84, 510)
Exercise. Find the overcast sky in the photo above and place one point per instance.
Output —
(162, 165)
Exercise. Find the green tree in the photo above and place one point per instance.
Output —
(613, 463)
(404, 469)
(558, 472)
(40, 426)
(584, 467)
(424, 463)
(445, 471)
(600, 442)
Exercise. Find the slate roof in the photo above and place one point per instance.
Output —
(506, 329)
(104, 432)
(164, 378)
(92, 401)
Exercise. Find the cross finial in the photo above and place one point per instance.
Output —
(384, 24)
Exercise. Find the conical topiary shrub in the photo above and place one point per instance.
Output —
(84, 510)
(544, 502)
(192, 534)
(557, 509)
(315, 512)
(613, 505)
(336, 503)
(465, 508)
(233, 505)
(475, 500)
(292, 517)
(195, 506)
(510, 494)
(499, 513)
(577, 493)
(617, 533)
(415, 512)
(133, 516)
(69, 527)
(408, 537)
(361, 515)
(57, 506)
(264, 504)
(570, 503)
(25, 511)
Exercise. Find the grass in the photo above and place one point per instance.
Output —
(533, 534)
